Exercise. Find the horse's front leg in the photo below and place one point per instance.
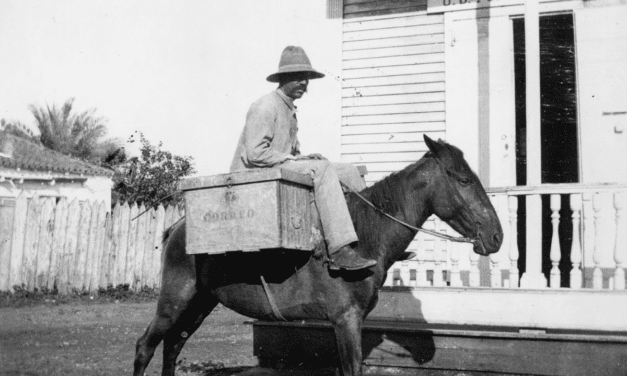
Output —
(347, 326)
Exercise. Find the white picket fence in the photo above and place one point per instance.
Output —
(81, 246)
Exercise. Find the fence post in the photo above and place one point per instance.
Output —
(139, 248)
(107, 247)
(149, 241)
(158, 246)
(31, 246)
(91, 254)
(46, 236)
(17, 241)
(78, 280)
(7, 212)
(122, 248)
(131, 252)
(97, 244)
(58, 242)
(69, 250)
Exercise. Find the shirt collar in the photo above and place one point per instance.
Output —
(288, 101)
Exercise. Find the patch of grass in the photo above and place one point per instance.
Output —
(21, 297)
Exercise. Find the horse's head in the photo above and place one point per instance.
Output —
(460, 199)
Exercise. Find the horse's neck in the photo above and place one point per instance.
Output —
(410, 205)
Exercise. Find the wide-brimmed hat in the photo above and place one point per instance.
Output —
(294, 59)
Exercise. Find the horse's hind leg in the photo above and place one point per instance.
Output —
(171, 305)
(189, 321)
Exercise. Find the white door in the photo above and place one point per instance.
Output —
(601, 40)
(480, 106)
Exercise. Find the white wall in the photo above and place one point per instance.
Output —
(95, 189)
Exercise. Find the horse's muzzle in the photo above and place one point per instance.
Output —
(479, 245)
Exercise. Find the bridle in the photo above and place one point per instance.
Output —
(458, 239)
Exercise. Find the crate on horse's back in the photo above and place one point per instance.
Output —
(250, 210)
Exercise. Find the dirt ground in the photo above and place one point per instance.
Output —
(99, 339)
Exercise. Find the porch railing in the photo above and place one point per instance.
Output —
(591, 254)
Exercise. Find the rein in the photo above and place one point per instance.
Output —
(458, 239)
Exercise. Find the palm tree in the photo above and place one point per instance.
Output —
(78, 135)
(18, 129)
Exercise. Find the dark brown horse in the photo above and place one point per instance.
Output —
(440, 183)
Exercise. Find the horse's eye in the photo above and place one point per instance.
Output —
(464, 181)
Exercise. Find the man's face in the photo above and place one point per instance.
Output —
(294, 85)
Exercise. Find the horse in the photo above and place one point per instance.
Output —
(300, 284)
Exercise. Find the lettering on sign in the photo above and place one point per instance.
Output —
(440, 6)
(229, 215)
(447, 3)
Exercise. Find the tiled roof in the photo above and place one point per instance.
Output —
(32, 157)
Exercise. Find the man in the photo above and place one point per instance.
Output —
(269, 140)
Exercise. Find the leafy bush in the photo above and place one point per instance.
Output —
(152, 178)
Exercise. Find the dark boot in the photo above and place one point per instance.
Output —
(346, 258)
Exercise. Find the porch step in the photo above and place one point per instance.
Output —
(405, 347)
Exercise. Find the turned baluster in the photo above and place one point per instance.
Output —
(512, 205)
(495, 268)
(597, 256)
(621, 237)
(533, 277)
(456, 280)
(575, 249)
(587, 236)
(421, 268)
(474, 276)
(437, 256)
(555, 253)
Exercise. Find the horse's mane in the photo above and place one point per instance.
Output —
(389, 195)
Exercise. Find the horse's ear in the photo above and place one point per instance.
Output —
(434, 147)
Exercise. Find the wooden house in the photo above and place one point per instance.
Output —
(31, 169)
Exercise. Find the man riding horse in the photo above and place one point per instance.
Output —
(269, 140)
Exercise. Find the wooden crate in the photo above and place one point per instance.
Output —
(249, 210)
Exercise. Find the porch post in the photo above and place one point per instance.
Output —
(533, 277)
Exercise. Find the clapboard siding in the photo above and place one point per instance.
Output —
(367, 8)
(410, 108)
(415, 88)
(390, 22)
(396, 118)
(436, 55)
(384, 147)
(360, 158)
(393, 86)
(392, 128)
(386, 52)
(358, 101)
(387, 138)
(393, 71)
(412, 40)
(354, 36)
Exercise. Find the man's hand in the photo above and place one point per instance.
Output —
(314, 156)
(317, 156)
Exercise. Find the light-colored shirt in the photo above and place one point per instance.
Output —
(269, 136)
